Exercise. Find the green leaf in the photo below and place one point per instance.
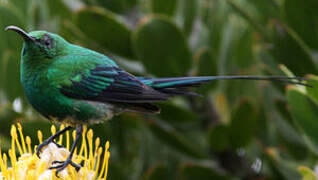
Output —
(118, 6)
(285, 167)
(214, 16)
(5, 143)
(304, 112)
(103, 27)
(285, 124)
(313, 91)
(7, 117)
(116, 171)
(218, 138)
(190, 10)
(163, 6)
(290, 50)
(248, 17)
(21, 5)
(281, 107)
(287, 134)
(11, 74)
(307, 174)
(302, 17)
(243, 52)
(192, 171)
(162, 48)
(172, 138)
(176, 115)
(30, 129)
(72, 33)
(266, 10)
(243, 124)
(236, 89)
(9, 16)
(225, 42)
(207, 66)
(58, 8)
(157, 172)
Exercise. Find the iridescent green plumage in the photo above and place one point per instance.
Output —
(72, 84)
(44, 73)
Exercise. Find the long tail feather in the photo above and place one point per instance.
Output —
(177, 85)
(161, 83)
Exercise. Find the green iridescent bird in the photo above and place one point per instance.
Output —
(75, 85)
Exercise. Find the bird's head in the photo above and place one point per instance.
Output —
(41, 44)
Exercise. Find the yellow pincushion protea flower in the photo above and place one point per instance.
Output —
(28, 166)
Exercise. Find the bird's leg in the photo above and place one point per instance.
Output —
(57, 144)
(64, 164)
(51, 139)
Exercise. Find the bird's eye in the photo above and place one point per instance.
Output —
(47, 41)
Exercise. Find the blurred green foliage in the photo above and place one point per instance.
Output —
(238, 129)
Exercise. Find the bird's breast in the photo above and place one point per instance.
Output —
(40, 93)
(46, 98)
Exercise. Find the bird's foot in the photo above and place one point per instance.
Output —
(57, 144)
(63, 164)
(45, 143)
(51, 139)
(41, 146)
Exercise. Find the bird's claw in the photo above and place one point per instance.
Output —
(63, 165)
(43, 144)
(57, 162)
(40, 147)
(57, 144)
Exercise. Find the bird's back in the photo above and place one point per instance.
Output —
(42, 83)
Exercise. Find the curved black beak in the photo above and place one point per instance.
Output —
(25, 35)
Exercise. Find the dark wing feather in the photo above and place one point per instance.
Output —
(111, 84)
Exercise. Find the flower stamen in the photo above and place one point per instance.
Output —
(61, 136)
(22, 138)
(28, 166)
(40, 136)
(28, 140)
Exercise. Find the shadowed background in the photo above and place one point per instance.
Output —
(244, 129)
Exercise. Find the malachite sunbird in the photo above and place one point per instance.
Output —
(68, 83)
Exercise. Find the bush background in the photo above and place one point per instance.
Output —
(237, 130)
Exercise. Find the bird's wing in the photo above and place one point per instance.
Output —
(106, 83)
